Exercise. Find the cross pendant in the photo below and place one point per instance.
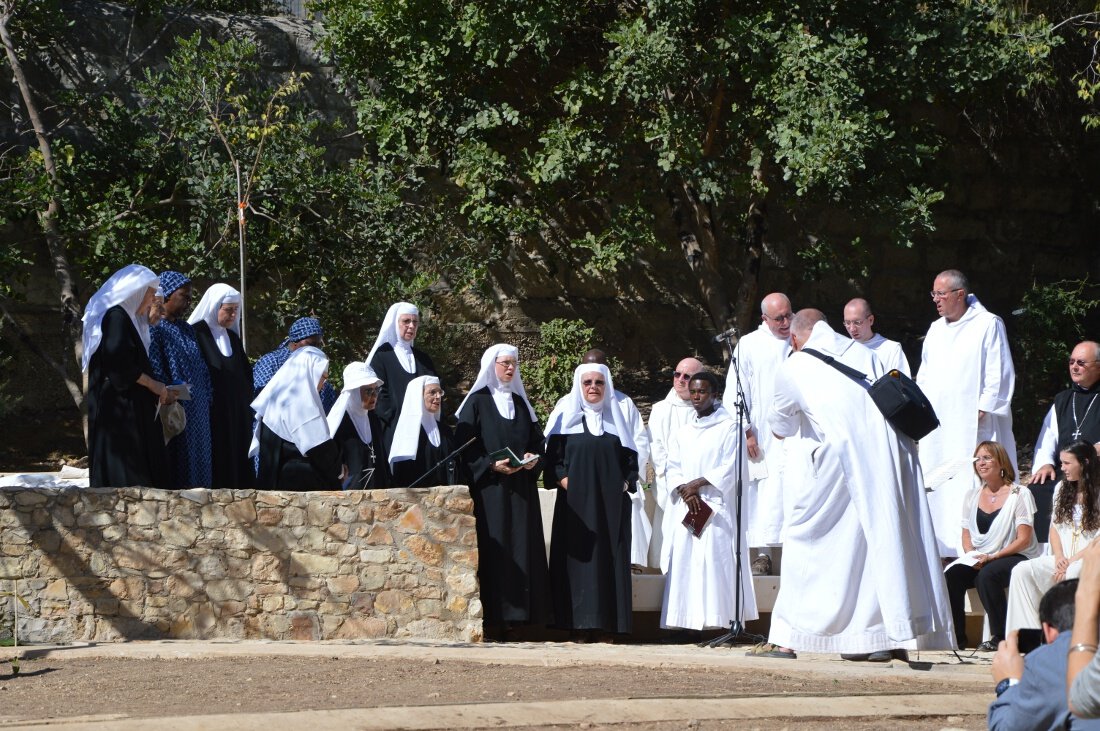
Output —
(1077, 434)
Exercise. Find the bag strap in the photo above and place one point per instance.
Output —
(847, 370)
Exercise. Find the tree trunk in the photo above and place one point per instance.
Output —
(59, 258)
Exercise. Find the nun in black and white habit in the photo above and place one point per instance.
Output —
(217, 323)
(422, 439)
(357, 430)
(397, 362)
(512, 566)
(591, 456)
(125, 439)
(292, 435)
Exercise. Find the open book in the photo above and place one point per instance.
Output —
(513, 459)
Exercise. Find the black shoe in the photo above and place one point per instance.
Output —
(861, 657)
(989, 645)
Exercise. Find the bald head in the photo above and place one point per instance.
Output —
(858, 320)
(803, 324)
(1084, 364)
(775, 310)
(595, 356)
(681, 378)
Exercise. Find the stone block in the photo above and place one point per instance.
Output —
(241, 512)
(343, 584)
(267, 497)
(293, 516)
(143, 513)
(337, 532)
(362, 602)
(376, 555)
(184, 584)
(412, 521)
(347, 514)
(361, 628)
(95, 520)
(432, 608)
(457, 605)
(319, 513)
(305, 627)
(445, 535)
(366, 513)
(269, 516)
(228, 609)
(311, 539)
(30, 497)
(179, 533)
(272, 603)
(128, 588)
(378, 535)
(266, 567)
(224, 590)
(211, 567)
(425, 550)
(460, 504)
(56, 590)
(465, 558)
(113, 533)
(392, 602)
(373, 578)
(312, 564)
(464, 583)
(212, 515)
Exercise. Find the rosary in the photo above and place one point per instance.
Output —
(1077, 424)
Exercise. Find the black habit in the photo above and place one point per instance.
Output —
(368, 466)
(283, 467)
(395, 379)
(231, 416)
(1084, 425)
(125, 439)
(512, 566)
(452, 472)
(590, 540)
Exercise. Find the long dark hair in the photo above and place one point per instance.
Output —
(1089, 484)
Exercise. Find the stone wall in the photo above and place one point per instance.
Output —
(114, 564)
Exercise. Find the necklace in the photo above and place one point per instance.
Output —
(1077, 424)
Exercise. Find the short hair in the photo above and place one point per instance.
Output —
(708, 377)
(956, 279)
(1095, 348)
(1001, 456)
(1058, 606)
(805, 319)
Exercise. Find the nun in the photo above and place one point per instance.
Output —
(125, 440)
(175, 355)
(354, 425)
(292, 438)
(512, 567)
(421, 440)
(592, 459)
(217, 324)
(397, 362)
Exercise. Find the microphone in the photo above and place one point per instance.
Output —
(726, 335)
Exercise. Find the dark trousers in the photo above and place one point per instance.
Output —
(992, 584)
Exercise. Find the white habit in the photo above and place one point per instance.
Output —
(890, 353)
(640, 527)
(699, 583)
(759, 355)
(859, 574)
(665, 419)
(966, 367)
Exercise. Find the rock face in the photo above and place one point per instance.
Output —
(137, 563)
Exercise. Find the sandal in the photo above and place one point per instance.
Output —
(767, 649)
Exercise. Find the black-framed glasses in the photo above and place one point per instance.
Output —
(940, 295)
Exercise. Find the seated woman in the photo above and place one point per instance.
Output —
(997, 534)
(591, 457)
(292, 437)
(125, 441)
(357, 430)
(421, 440)
(1074, 524)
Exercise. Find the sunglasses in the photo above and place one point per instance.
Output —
(684, 375)
(590, 382)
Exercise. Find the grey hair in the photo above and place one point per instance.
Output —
(956, 279)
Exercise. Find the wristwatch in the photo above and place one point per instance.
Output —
(1005, 685)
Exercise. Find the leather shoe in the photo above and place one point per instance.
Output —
(989, 645)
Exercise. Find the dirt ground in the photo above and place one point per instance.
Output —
(56, 688)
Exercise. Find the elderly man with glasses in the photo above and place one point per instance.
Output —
(1074, 415)
(859, 321)
(967, 373)
(665, 419)
(757, 357)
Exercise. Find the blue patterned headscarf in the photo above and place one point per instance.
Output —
(305, 327)
(171, 281)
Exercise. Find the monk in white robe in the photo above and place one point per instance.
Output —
(861, 573)
(758, 356)
(859, 321)
(665, 419)
(703, 460)
(967, 373)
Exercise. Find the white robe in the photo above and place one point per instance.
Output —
(966, 367)
(699, 584)
(860, 568)
(665, 419)
(640, 527)
(759, 355)
(890, 353)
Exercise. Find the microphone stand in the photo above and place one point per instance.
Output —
(435, 466)
(736, 632)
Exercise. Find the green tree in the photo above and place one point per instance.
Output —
(605, 129)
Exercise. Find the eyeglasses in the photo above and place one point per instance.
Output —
(984, 459)
(940, 295)
(680, 374)
(590, 382)
(372, 391)
(507, 363)
(854, 323)
(781, 318)
(1080, 363)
